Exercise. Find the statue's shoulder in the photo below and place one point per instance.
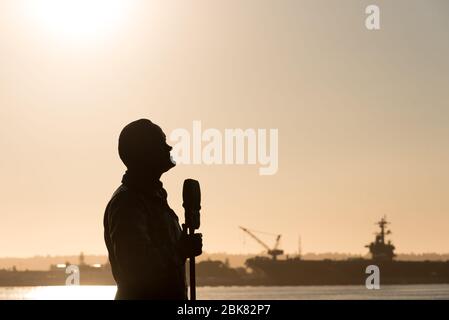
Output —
(123, 196)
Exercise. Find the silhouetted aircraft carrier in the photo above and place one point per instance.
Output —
(296, 271)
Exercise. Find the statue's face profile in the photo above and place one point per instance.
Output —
(143, 146)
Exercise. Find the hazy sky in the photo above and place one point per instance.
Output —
(363, 117)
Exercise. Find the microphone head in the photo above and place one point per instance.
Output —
(191, 194)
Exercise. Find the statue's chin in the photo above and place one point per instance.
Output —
(172, 160)
(170, 164)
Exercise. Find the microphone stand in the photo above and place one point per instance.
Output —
(191, 204)
(192, 273)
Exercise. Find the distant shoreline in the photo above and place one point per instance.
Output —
(42, 263)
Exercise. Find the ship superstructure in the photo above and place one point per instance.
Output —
(380, 249)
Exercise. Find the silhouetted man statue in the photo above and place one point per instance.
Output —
(147, 248)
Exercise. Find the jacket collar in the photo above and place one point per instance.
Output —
(142, 182)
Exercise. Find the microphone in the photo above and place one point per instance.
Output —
(191, 201)
(191, 196)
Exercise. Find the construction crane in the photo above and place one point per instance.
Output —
(272, 252)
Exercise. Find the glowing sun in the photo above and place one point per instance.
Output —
(78, 19)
